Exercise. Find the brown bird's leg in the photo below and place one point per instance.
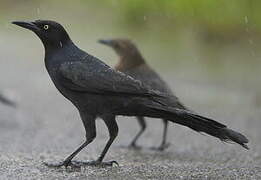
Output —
(143, 126)
(90, 128)
(163, 144)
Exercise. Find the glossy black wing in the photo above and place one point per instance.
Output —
(98, 78)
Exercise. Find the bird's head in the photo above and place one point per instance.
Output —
(125, 49)
(121, 46)
(52, 34)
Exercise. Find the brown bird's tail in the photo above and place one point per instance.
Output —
(200, 124)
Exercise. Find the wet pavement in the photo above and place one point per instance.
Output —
(46, 127)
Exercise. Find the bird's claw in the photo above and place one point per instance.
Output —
(115, 162)
(95, 163)
(61, 164)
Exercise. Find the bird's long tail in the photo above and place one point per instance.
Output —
(201, 124)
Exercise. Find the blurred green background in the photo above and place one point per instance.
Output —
(208, 41)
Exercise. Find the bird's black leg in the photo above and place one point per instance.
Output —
(113, 131)
(143, 126)
(89, 124)
(163, 144)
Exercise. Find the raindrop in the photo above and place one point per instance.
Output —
(246, 19)
(38, 11)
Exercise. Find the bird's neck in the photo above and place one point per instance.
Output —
(51, 47)
(55, 55)
(127, 62)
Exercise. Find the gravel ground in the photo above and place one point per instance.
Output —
(46, 127)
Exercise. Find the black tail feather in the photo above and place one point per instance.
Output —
(202, 124)
(234, 136)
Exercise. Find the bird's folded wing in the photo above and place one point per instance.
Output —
(83, 77)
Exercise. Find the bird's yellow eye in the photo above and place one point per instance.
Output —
(46, 27)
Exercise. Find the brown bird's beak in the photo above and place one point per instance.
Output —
(106, 42)
(27, 25)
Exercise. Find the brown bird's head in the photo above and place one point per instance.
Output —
(130, 56)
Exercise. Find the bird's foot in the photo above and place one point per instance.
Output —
(161, 147)
(62, 164)
(95, 163)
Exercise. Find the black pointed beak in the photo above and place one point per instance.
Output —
(27, 25)
(106, 42)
